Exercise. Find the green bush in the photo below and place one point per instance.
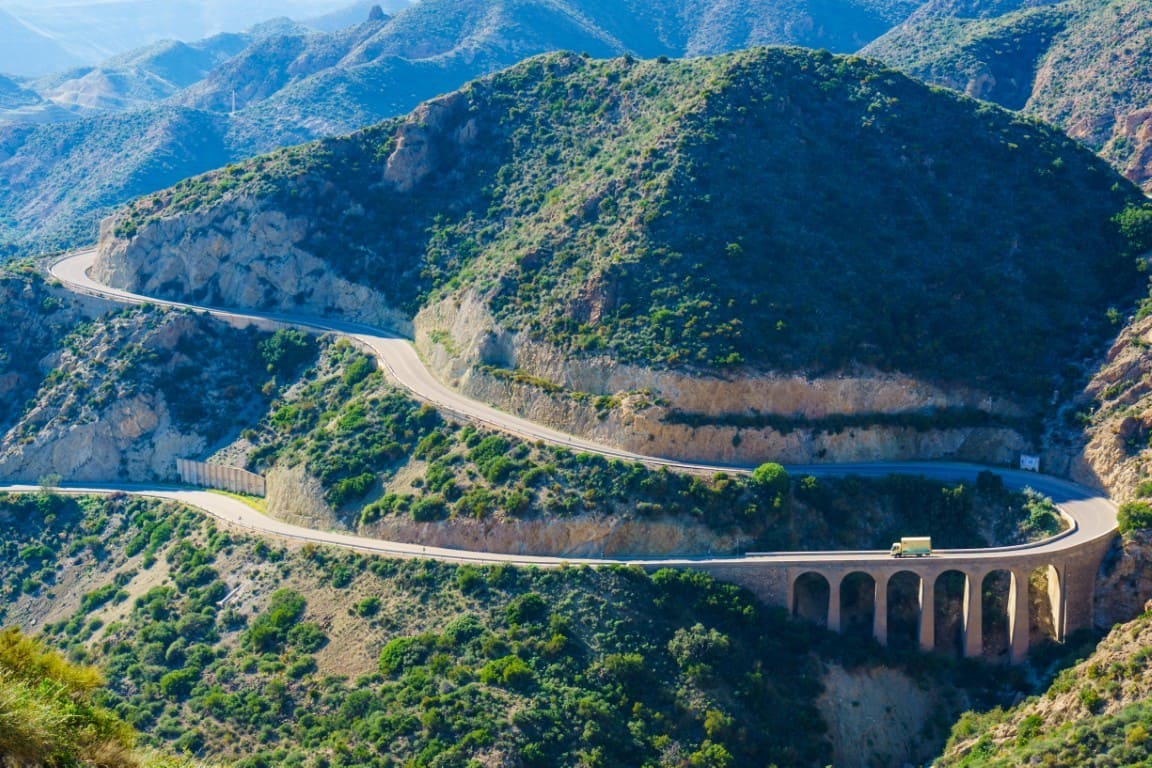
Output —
(269, 631)
(287, 350)
(1134, 516)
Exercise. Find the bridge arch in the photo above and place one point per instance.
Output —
(858, 604)
(901, 601)
(1000, 588)
(943, 617)
(811, 599)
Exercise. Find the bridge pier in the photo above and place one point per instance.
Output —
(1058, 599)
(834, 582)
(880, 608)
(973, 614)
(927, 613)
(1019, 623)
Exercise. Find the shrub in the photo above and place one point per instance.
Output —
(368, 607)
(270, 630)
(528, 608)
(287, 350)
(307, 637)
(1134, 516)
(401, 653)
(429, 509)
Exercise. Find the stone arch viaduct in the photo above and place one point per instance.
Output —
(1068, 562)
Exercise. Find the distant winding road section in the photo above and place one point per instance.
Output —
(1092, 515)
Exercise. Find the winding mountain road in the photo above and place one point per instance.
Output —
(1092, 515)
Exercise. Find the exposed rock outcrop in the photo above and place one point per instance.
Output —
(434, 128)
(584, 536)
(129, 394)
(134, 439)
(1125, 582)
(459, 338)
(296, 497)
(235, 255)
(878, 716)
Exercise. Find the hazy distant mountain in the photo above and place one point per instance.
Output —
(57, 178)
(24, 51)
(294, 87)
(142, 77)
(92, 30)
(294, 90)
(15, 96)
(352, 15)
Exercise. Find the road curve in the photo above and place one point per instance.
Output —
(1092, 514)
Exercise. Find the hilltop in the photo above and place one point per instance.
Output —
(293, 84)
(687, 219)
(1078, 64)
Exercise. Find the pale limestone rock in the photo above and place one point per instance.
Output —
(236, 256)
(639, 424)
(133, 439)
(296, 497)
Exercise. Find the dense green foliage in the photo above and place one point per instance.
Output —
(507, 661)
(1134, 516)
(437, 664)
(684, 214)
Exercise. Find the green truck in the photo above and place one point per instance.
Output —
(912, 546)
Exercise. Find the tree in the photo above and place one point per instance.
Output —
(773, 483)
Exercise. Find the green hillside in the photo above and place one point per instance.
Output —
(239, 649)
(1094, 714)
(779, 209)
(1078, 64)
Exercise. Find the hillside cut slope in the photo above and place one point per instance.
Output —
(773, 213)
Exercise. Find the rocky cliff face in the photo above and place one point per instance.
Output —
(583, 536)
(1125, 582)
(673, 414)
(235, 255)
(128, 394)
(1106, 430)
